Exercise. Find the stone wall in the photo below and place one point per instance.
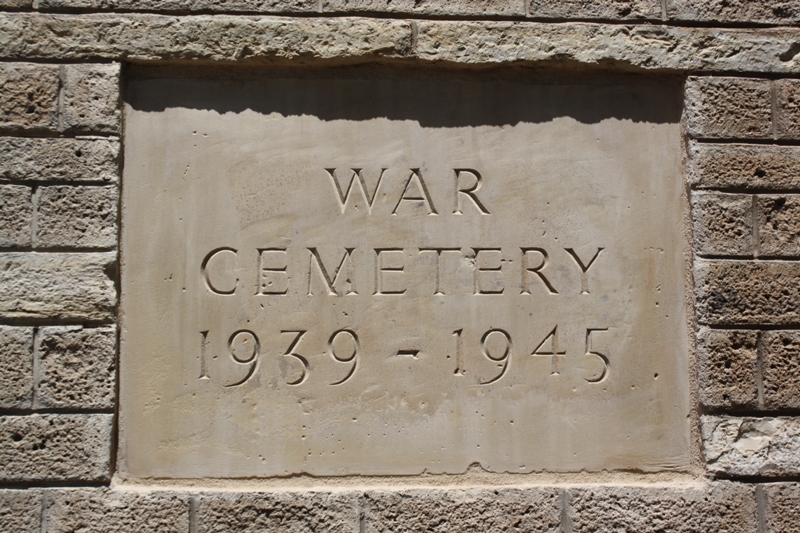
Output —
(60, 139)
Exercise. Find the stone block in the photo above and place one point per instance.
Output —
(787, 120)
(28, 96)
(744, 166)
(55, 448)
(182, 6)
(105, 511)
(720, 506)
(723, 224)
(16, 212)
(16, 367)
(781, 369)
(728, 108)
(747, 292)
(76, 286)
(281, 511)
(483, 8)
(728, 361)
(91, 98)
(735, 11)
(778, 225)
(77, 216)
(76, 367)
(747, 446)
(16, 4)
(79, 160)
(20, 511)
(596, 9)
(781, 507)
(463, 511)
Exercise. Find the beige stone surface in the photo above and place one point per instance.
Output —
(76, 367)
(68, 160)
(28, 96)
(57, 285)
(182, 6)
(16, 212)
(782, 507)
(90, 101)
(20, 511)
(728, 364)
(781, 353)
(54, 447)
(737, 11)
(723, 224)
(787, 103)
(720, 506)
(16, 367)
(735, 108)
(108, 511)
(70, 216)
(596, 9)
(778, 225)
(743, 166)
(244, 353)
(483, 8)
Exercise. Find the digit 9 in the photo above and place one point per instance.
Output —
(244, 348)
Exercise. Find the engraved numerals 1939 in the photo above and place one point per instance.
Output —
(344, 349)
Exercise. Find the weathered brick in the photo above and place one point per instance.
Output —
(779, 225)
(720, 506)
(287, 511)
(735, 11)
(596, 9)
(91, 98)
(16, 4)
(20, 511)
(747, 292)
(781, 369)
(57, 286)
(16, 367)
(182, 6)
(79, 160)
(467, 510)
(728, 361)
(788, 108)
(16, 212)
(28, 96)
(746, 446)
(781, 507)
(744, 166)
(723, 224)
(106, 511)
(484, 8)
(76, 367)
(77, 216)
(733, 108)
(55, 448)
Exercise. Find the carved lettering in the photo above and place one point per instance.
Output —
(469, 192)
(380, 269)
(272, 277)
(217, 287)
(584, 268)
(345, 265)
(478, 270)
(422, 192)
(356, 178)
(439, 251)
(526, 269)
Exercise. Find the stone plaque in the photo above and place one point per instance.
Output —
(367, 272)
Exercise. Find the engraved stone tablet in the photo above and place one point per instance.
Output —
(367, 272)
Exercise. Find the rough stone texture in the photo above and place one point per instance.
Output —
(483, 8)
(16, 4)
(57, 286)
(91, 98)
(743, 166)
(20, 511)
(68, 160)
(736, 108)
(767, 447)
(28, 95)
(728, 361)
(182, 6)
(76, 367)
(55, 447)
(596, 9)
(787, 121)
(16, 211)
(721, 506)
(779, 225)
(782, 507)
(466, 510)
(203, 37)
(274, 512)
(222, 37)
(723, 224)
(105, 511)
(747, 293)
(77, 216)
(743, 11)
(781, 369)
(16, 367)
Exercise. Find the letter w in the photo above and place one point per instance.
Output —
(344, 197)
